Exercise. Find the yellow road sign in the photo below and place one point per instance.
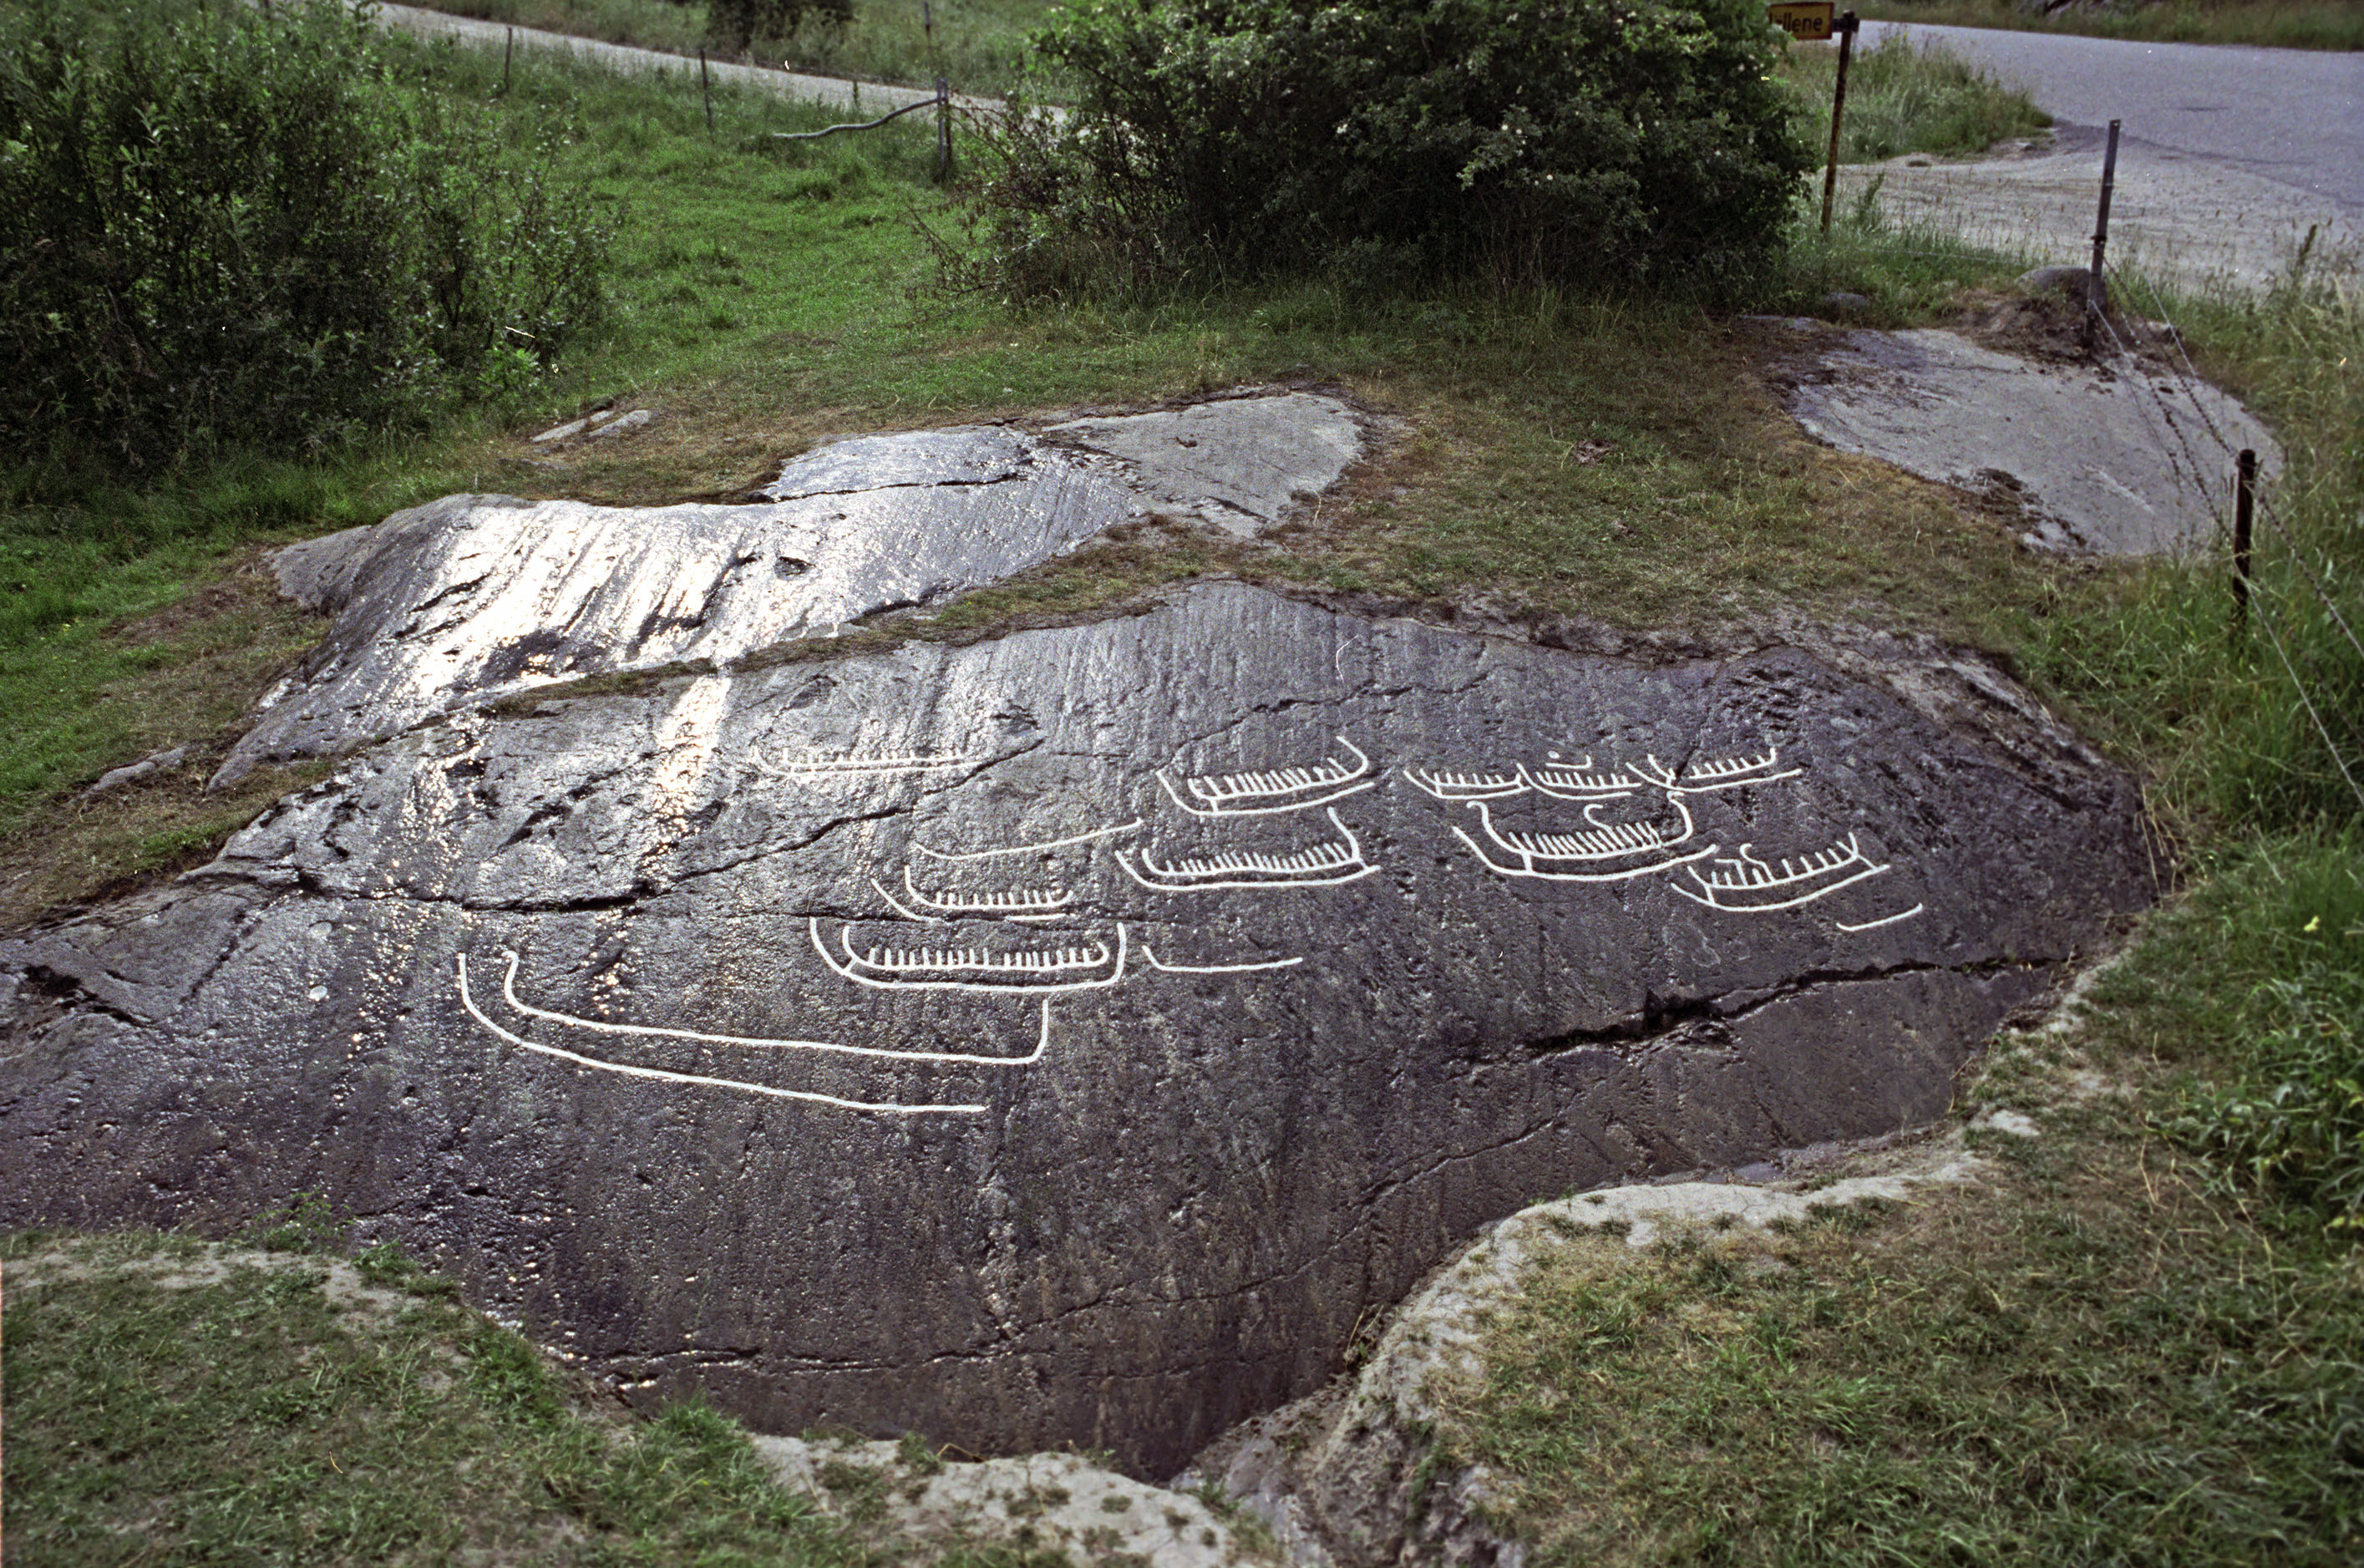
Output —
(1810, 21)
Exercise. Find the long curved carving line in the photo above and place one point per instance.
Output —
(1874, 925)
(1526, 866)
(696, 1080)
(508, 994)
(1331, 777)
(1028, 849)
(1280, 871)
(1152, 960)
(850, 967)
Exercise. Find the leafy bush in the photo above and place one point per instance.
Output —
(233, 227)
(1541, 140)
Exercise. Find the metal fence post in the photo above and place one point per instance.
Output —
(706, 85)
(1847, 28)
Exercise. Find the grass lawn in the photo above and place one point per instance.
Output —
(173, 1400)
(2105, 1352)
(2141, 1343)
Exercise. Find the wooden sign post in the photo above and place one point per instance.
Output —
(1845, 28)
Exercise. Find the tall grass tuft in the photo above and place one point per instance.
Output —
(1907, 96)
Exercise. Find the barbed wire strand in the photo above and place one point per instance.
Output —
(2258, 604)
(2273, 513)
(2265, 624)
(2207, 492)
(2175, 334)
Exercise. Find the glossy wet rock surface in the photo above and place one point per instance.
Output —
(476, 596)
(1070, 1038)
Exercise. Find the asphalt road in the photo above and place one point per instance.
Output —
(2291, 116)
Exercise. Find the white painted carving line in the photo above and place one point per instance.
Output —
(1732, 772)
(1464, 786)
(508, 994)
(850, 967)
(1152, 960)
(1021, 904)
(894, 904)
(1564, 784)
(1753, 875)
(1028, 849)
(945, 961)
(696, 1080)
(814, 767)
(1758, 769)
(1527, 864)
(1874, 925)
(1335, 779)
(1300, 870)
(1608, 841)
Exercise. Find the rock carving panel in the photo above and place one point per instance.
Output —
(1065, 1039)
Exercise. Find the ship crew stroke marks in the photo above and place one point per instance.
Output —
(973, 969)
(1269, 793)
(1752, 885)
(1321, 865)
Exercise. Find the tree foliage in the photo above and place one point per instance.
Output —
(1551, 141)
(236, 227)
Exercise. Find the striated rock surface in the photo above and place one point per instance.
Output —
(1240, 464)
(472, 597)
(2122, 458)
(1068, 1038)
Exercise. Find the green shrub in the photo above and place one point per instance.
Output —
(228, 227)
(1552, 141)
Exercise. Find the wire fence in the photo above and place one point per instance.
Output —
(2269, 604)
